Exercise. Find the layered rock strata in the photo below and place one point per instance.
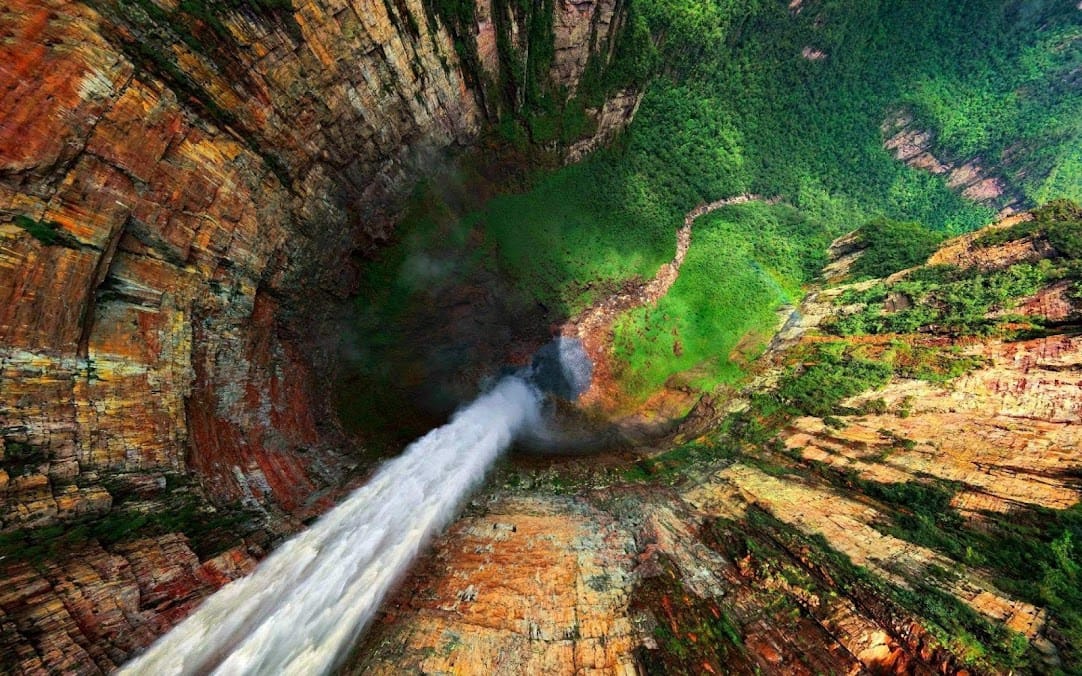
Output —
(782, 557)
(184, 189)
(971, 177)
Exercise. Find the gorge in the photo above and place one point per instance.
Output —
(813, 268)
(303, 607)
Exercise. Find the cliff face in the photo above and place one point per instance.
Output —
(156, 307)
(186, 213)
(891, 497)
(969, 176)
(528, 60)
(183, 187)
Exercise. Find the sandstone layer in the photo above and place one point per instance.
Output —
(972, 177)
(786, 555)
(185, 191)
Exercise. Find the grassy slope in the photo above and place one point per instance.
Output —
(743, 263)
(583, 224)
(738, 109)
(749, 113)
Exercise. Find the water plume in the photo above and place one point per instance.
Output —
(306, 604)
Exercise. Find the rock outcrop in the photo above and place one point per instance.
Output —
(85, 612)
(971, 177)
(184, 188)
(561, 48)
(483, 607)
(799, 546)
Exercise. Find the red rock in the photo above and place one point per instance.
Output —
(89, 610)
(202, 226)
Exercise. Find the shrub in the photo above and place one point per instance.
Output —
(890, 246)
(1059, 220)
(1003, 235)
(817, 388)
(947, 300)
(45, 231)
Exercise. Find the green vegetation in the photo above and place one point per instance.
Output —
(945, 299)
(691, 633)
(1059, 221)
(563, 240)
(744, 262)
(671, 465)
(951, 301)
(825, 373)
(889, 246)
(46, 232)
(735, 108)
(795, 125)
(820, 571)
(836, 373)
(210, 531)
(1032, 553)
(932, 364)
(976, 640)
(534, 112)
(820, 377)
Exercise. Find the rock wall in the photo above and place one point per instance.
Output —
(520, 55)
(85, 615)
(180, 239)
(198, 175)
(184, 189)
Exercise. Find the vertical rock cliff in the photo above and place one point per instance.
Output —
(183, 187)
(892, 492)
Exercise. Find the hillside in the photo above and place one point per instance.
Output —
(897, 500)
(943, 116)
(736, 336)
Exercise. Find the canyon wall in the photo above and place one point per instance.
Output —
(170, 187)
(185, 189)
(871, 536)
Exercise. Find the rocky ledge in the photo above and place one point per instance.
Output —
(874, 536)
(185, 192)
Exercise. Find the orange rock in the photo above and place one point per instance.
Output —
(485, 607)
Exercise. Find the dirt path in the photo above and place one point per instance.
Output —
(594, 325)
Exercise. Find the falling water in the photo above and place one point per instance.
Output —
(306, 604)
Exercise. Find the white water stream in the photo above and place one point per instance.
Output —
(306, 604)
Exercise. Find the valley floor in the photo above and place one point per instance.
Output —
(920, 525)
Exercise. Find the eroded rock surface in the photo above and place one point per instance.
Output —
(784, 556)
(86, 611)
(534, 585)
(971, 177)
(183, 197)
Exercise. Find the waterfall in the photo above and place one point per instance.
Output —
(306, 604)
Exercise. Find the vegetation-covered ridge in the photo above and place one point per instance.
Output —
(947, 299)
(911, 404)
(735, 105)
